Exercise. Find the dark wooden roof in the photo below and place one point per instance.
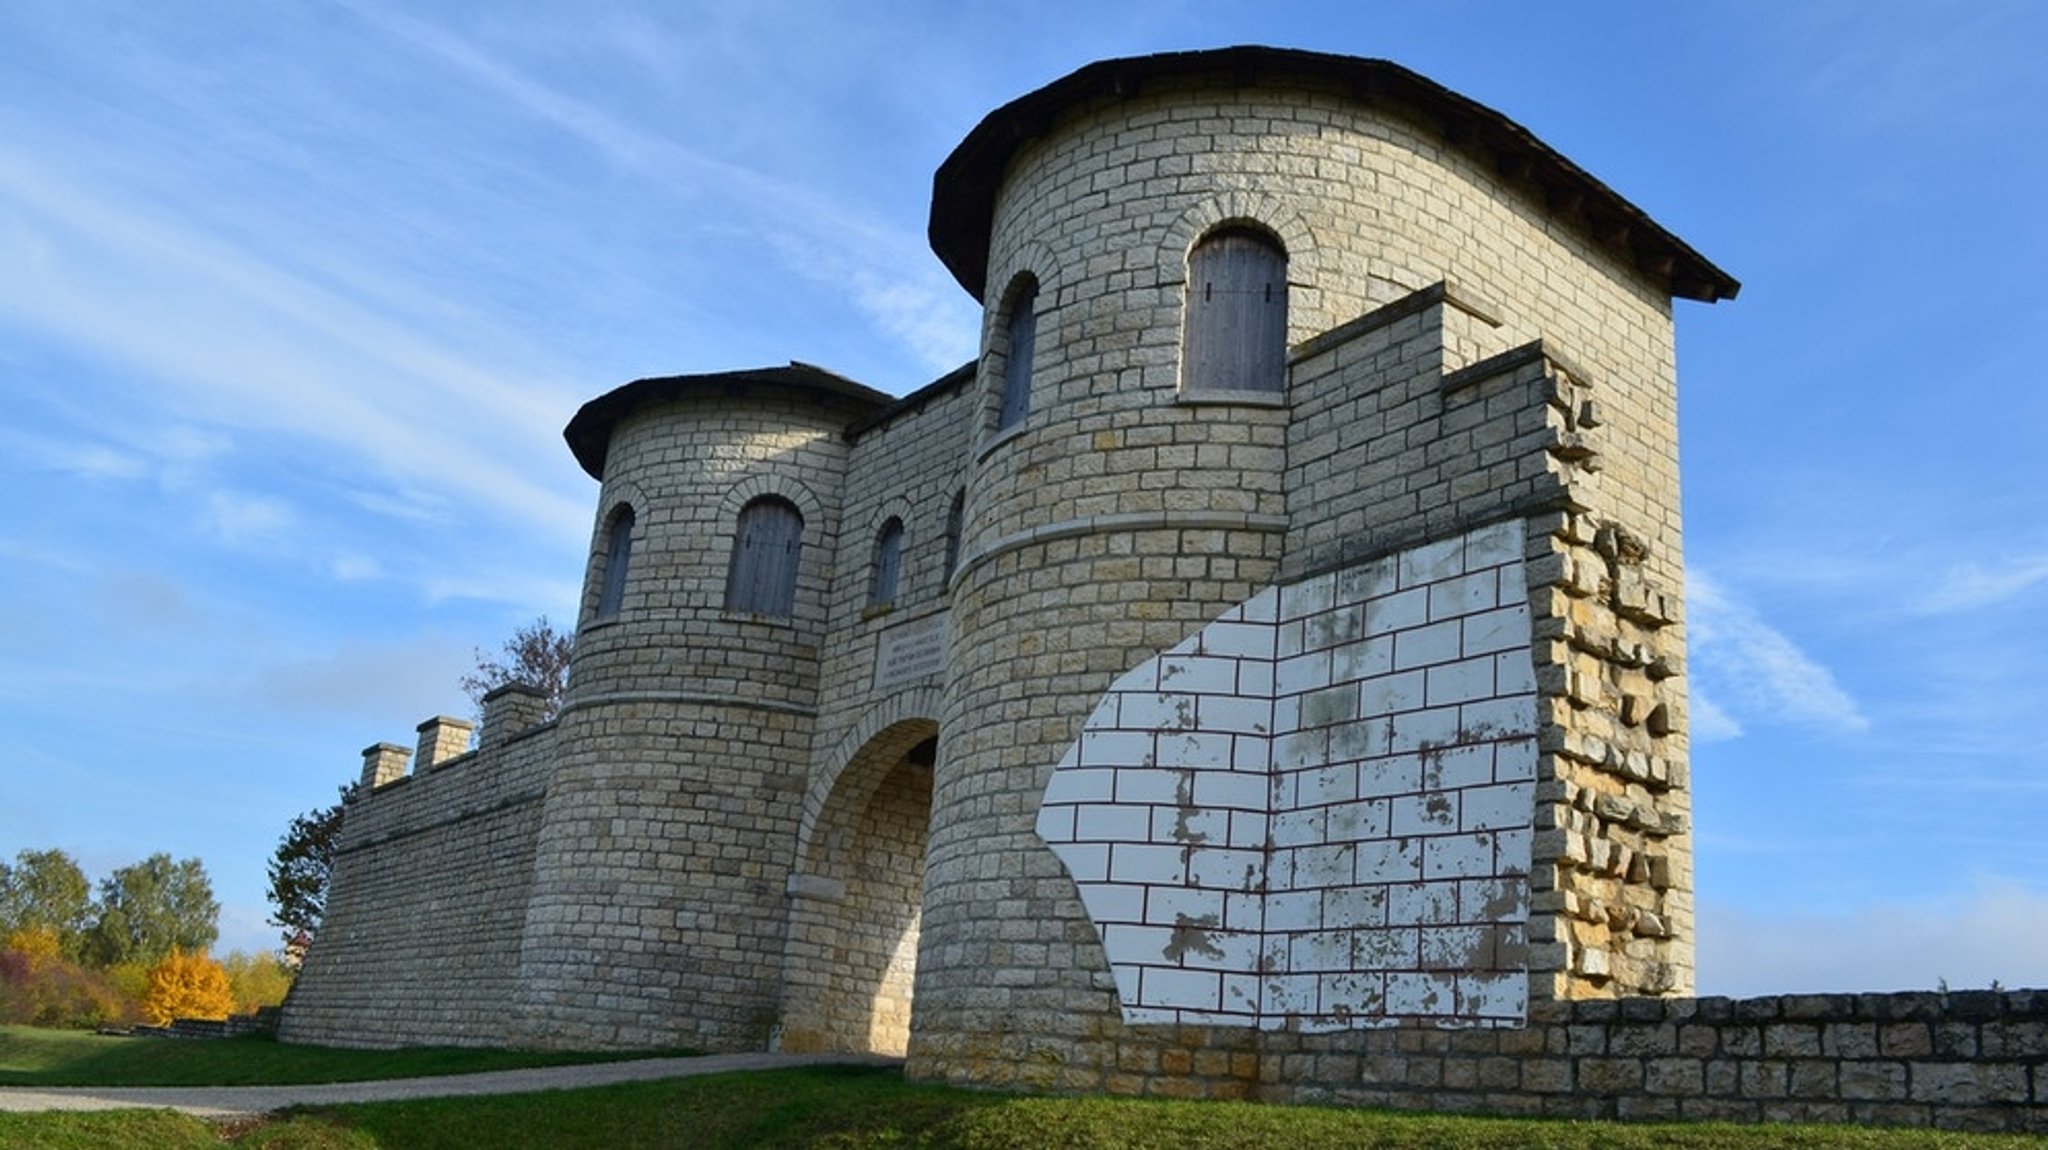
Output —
(964, 191)
(958, 377)
(590, 432)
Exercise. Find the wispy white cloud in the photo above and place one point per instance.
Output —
(83, 460)
(181, 443)
(355, 568)
(244, 519)
(615, 140)
(410, 505)
(1754, 673)
(1994, 931)
(1852, 63)
(258, 347)
(550, 592)
(925, 312)
(1711, 724)
(886, 271)
(55, 560)
(1973, 586)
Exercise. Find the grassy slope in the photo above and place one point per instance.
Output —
(867, 1109)
(32, 1057)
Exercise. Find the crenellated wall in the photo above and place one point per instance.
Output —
(428, 892)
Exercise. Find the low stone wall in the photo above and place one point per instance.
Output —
(1973, 1060)
(262, 1021)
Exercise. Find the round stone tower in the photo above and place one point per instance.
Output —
(671, 814)
(1153, 239)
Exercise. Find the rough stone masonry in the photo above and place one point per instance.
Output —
(1260, 673)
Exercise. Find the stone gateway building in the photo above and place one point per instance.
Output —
(1259, 673)
(1276, 628)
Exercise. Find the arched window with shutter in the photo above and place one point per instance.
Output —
(1021, 344)
(767, 546)
(618, 556)
(888, 564)
(1234, 329)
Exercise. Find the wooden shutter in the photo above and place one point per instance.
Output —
(767, 548)
(888, 563)
(1023, 332)
(1235, 333)
(618, 556)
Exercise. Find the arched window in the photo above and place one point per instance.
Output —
(1234, 333)
(888, 564)
(618, 555)
(1021, 334)
(766, 548)
(955, 522)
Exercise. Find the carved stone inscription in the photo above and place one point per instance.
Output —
(910, 651)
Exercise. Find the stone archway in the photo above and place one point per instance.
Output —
(851, 957)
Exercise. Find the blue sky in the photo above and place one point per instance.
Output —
(295, 300)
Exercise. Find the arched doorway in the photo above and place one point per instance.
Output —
(851, 957)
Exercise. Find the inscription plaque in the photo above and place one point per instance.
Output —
(911, 651)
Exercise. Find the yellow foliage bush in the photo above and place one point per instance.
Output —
(37, 942)
(187, 986)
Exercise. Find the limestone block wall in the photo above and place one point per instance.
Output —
(910, 467)
(427, 902)
(1399, 433)
(1383, 451)
(687, 467)
(664, 852)
(850, 964)
(1315, 813)
(1123, 514)
(1965, 1061)
(1371, 204)
(855, 888)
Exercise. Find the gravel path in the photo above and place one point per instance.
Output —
(234, 1101)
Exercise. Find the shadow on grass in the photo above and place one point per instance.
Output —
(31, 1057)
(815, 1106)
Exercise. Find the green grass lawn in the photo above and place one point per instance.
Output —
(847, 1108)
(34, 1057)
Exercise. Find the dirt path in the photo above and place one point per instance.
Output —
(231, 1101)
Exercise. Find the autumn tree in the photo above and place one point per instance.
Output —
(151, 908)
(45, 890)
(185, 985)
(536, 655)
(300, 867)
